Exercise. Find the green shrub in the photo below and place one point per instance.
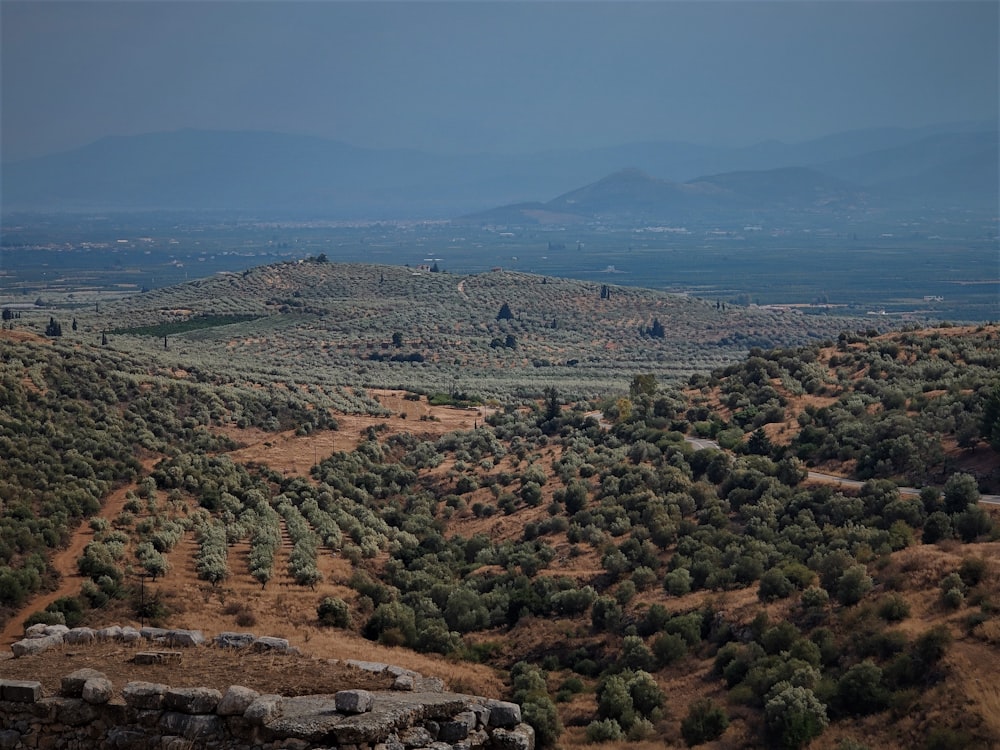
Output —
(44, 617)
(668, 648)
(705, 721)
(794, 717)
(893, 608)
(604, 730)
(334, 612)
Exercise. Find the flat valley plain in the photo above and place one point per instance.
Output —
(921, 268)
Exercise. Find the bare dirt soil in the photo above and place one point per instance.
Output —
(294, 455)
(206, 666)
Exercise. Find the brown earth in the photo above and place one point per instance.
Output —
(293, 454)
(266, 672)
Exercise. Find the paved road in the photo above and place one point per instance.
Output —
(818, 476)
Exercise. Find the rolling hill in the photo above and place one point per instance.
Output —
(391, 327)
(280, 175)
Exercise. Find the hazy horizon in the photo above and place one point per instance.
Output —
(503, 77)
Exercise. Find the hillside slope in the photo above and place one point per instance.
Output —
(632, 587)
(392, 327)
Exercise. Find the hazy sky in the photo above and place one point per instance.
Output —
(481, 76)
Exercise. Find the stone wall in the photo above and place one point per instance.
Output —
(90, 714)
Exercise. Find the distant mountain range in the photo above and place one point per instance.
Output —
(278, 175)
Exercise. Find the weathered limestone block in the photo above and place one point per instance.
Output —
(185, 638)
(459, 728)
(504, 714)
(403, 682)
(97, 690)
(306, 717)
(153, 634)
(354, 701)
(482, 714)
(35, 631)
(521, 737)
(236, 701)
(429, 685)
(234, 640)
(196, 700)
(144, 695)
(20, 691)
(72, 684)
(365, 728)
(36, 645)
(130, 634)
(157, 657)
(270, 643)
(263, 709)
(110, 633)
(192, 727)
(80, 635)
(453, 731)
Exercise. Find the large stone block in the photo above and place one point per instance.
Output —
(72, 684)
(20, 691)
(270, 643)
(234, 640)
(196, 700)
(30, 646)
(130, 634)
(263, 709)
(185, 638)
(144, 695)
(521, 737)
(404, 682)
(157, 657)
(110, 633)
(9, 739)
(80, 635)
(236, 701)
(153, 634)
(453, 731)
(504, 714)
(97, 690)
(354, 701)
